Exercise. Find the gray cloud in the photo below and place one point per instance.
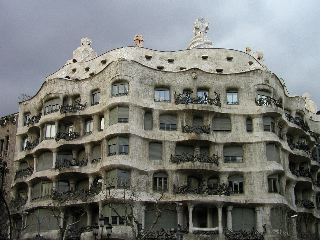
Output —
(37, 37)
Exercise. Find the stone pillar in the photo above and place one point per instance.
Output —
(56, 123)
(88, 151)
(54, 158)
(318, 227)
(258, 220)
(209, 217)
(220, 220)
(96, 123)
(257, 124)
(35, 162)
(156, 122)
(29, 191)
(294, 228)
(89, 216)
(229, 217)
(190, 209)
(91, 178)
(143, 216)
(62, 216)
(104, 180)
(104, 146)
(179, 209)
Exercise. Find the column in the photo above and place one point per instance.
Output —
(88, 150)
(156, 122)
(318, 226)
(257, 124)
(89, 216)
(62, 215)
(54, 158)
(54, 183)
(294, 228)
(35, 162)
(229, 217)
(220, 219)
(190, 209)
(209, 217)
(143, 212)
(104, 146)
(91, 178)
(179, 209)
(29, 191)
(258, 220)
(96, 123)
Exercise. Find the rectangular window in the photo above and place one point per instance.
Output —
(26, 118)
(148, 121)
(50, 131)
(273, 185)
(168, 122)
(123, 179)
(95, 98)
(101, 123)
(161, 95)
(203, 94)
(155, 151)
(160, 183)
(118, 145)
(120, 89)
(88, 126)
(236, 186)
(1, 146)
(222, 124)
(119, 114)
(268, 124)
(232, 97)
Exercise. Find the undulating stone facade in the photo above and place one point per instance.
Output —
(204, 142)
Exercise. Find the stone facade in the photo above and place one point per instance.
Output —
(205, 139)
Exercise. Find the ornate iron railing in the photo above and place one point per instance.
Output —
(73, 108)
(300, 146)
(31, 145)
(196, 129)
(243, 235)
(12, 118)
(68, 136)
(302, 173)
(189, 157)
(161, 234)
(298, 121)
(208, 233)
(33, 120)
(23, 173)
(219, 189)
(67, 163)
(305, 203)
(268, 101)
(186, 98)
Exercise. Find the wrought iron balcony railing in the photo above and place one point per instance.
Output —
(305, 203)
(73, 108)
(186, 98)
(243, 235)
(196, 129)
(188, 157)
(268, 101)
(302, 173)
(23, 173)
(33, 120)
(8, 119)
(31, 145)
(67, 163)
(68, 136)
(300, 146)
(298, 121)
(219, 189)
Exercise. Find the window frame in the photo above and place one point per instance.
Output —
(95, 94)
(160, 182)
(115, 88)
(158, 92)
(232, 92)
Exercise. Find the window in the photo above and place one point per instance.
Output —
(236, 184)
(160, 182)
(213, 183)
(45, 161)
(51, 106)
(24, 143)
(203, 94)
(273, 184)
(243, 219)
(233, 154)
(118, 178)
(1, 146)
(162, 95)
(88, 126)
(249, 125)
(232, 97)
(118, 145)
(95, 97)
(197, 121)
(63, 186)
(41, 189)
(101, 123)
(168, 122)
(148, 120)
(193, 182)
(26, 118)
(155, 151)
(49, 131)
(263, 94)
(315, 153)
(120, 89)
(222, 124)
(119, 114)
(116, 214)
(272, 152)
(182, 149)
(268, 124)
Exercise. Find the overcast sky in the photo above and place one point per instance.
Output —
(38, 37)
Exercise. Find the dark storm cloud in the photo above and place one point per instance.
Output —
(37, 37)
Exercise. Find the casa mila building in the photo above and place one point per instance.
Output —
(202, 143)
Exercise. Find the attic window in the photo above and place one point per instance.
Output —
(87, 69)
(170, 60)
(160, 67)
(148, 57)
(204, 57)
(103, 61)
(74, 70)
(219, 70)
(74, 60)
(91, 74)
(250, 62)
(182, 68)
(229, 59)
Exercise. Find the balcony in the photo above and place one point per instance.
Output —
(188, 157)
(68, 136)
(302, 173)
(268, 101)
(33, 120)
(73, 108)
(300, 146)
(8, 119)
(186, 98)
(196, 129)
(219, 189)
(67, 163)
(23, 173)
(298, 121)
(305, 203)
(17, 203)
(31, 145)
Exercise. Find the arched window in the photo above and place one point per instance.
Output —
(119, 114)
(160, 182)
(236, 184)
(168, 122)
(120, 88)
(52, 105)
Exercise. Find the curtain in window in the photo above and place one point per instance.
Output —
(222, 124)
